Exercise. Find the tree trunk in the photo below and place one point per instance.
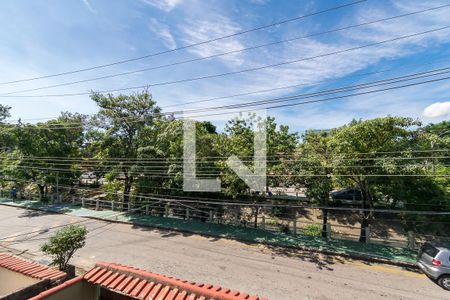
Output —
(256, 216)
(364, 224)
(366, 199)
(41, 191)
(126, 191)
(324, 222)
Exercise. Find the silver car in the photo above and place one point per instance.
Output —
(434, 260)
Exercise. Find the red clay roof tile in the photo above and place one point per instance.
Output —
(163, 293)
(159, 290)
(146, 290)
(30, 269)
(116, 282)
(138, 288)
(104, 277)
(154, 292)
(110, 279)
(172, 294)
(91, 273)
(124, 283)
(127, 290)
(141, 284)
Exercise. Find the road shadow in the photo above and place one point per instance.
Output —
(165, 233)
(35, 213)
(322, 261)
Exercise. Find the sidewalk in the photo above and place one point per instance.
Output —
(374, 252)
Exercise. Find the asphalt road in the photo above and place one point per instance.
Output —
(271, 272)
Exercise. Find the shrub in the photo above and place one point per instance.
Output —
(284, 228)
(313, 230)
(63, 244)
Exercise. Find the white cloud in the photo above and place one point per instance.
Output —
(163, 31)
(438, 109)
(89, 6)
(198, 30)
(166, 5)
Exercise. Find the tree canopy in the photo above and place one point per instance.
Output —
(137, 151)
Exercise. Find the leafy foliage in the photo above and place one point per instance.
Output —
(138, 151)
(64, 243)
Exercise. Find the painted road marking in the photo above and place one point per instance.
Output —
(386, 269)
(11, 238)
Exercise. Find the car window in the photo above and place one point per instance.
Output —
(430, 250)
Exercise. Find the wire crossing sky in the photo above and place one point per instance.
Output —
(80, 46)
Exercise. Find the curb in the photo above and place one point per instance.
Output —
(367, 258)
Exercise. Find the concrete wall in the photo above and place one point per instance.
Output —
(11, 281)
(77, 291)
(29, 291)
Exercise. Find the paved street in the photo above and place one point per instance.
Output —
(274, 273)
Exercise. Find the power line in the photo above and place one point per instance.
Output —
(226, 53)
(189, 45)
(299, 96)
(208, 200)
(309, 84)
(172, 161)
(99, 167)
(235, 72)
(221, 202)
(322, 100)
(166, 175)
(328, 92)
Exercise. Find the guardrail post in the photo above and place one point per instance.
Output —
(328, 231)
(210, 216)
(166, 211)
(112, 205)
(411, 240)
(147, 210)
(263, 222)
(367, 234)
(97, 204)
(73, 199)
(294, 225)
(83, 202)
(187, 213)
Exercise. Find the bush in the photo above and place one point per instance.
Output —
(284, 228)
(63, 244)
(313, 230)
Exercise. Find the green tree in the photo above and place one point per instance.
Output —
(6, 136)
(36, 146)
(364, 159)
(64, 243)
(4, 112)
(315, 167)
(122, 120)
(238, 139)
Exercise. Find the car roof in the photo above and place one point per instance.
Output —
(440, 245)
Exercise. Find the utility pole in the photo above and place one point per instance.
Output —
(57, 186)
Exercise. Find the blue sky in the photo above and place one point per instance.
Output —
(45, 37)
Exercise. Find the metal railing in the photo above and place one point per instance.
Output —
(257, 218)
